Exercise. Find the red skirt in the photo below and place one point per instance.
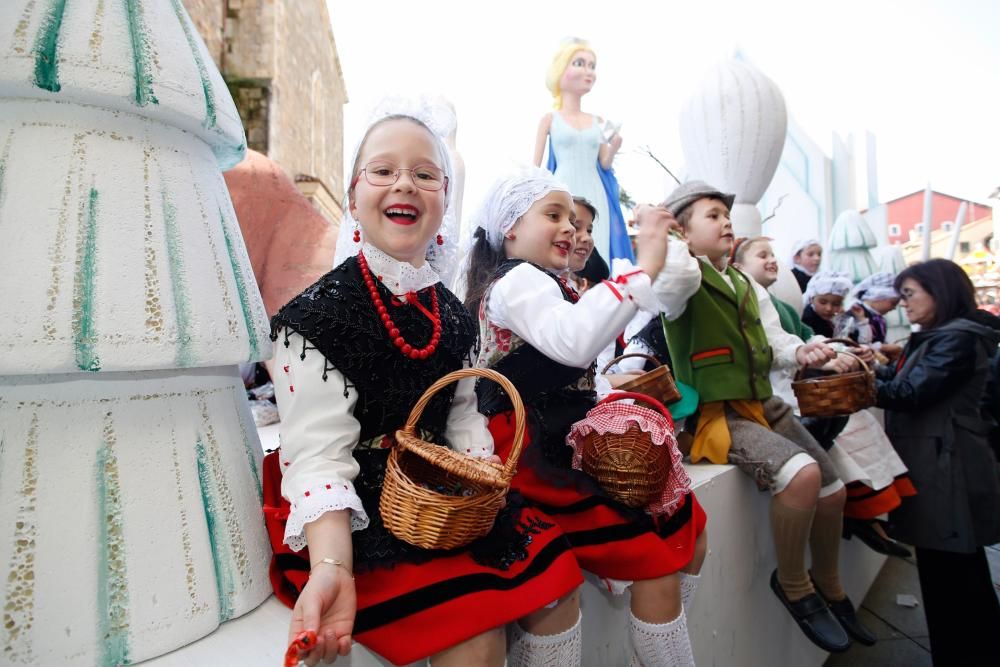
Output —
(864, 502)
(608, 538)
(414, 610)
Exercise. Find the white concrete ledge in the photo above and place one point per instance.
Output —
(734, 618)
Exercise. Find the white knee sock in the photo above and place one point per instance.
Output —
(661, 644)
(560, 650)
(689, 584)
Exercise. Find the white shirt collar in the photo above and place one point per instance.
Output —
(722, 271)
(399, 277)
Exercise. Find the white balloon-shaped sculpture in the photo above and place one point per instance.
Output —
(849, 247)
(732, 133)
(130, 499)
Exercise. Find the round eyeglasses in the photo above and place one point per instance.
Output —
(425, 176)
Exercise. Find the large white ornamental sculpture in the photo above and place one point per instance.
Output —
(732, 134)
(850, 245)
(130, 519)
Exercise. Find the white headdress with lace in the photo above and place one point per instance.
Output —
(440, 120)
(798, 247)
(510, 197)
(828, 282)
(877, 286)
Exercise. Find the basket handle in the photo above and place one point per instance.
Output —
(647, 357)
(619, 395)
(862, 361)
(846, 341)
(515, 398)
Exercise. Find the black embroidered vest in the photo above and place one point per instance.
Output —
(547, 387)
(336, 317)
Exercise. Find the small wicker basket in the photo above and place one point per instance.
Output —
(657, 383)
(629, 466)
(835, 395)
(430, 519)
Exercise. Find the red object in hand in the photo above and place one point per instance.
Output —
(303, 643)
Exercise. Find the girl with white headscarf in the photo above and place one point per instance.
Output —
(874, 297)
(824, 297)
(544, 337)
(356, 351)
(807, 254)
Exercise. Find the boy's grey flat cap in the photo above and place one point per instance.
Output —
(688, 193)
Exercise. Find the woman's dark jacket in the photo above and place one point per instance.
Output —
(933, 399)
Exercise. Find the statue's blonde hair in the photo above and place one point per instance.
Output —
(559, 64)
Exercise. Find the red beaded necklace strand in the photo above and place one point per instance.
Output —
(397, 339)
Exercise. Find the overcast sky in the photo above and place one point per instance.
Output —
(921, 75)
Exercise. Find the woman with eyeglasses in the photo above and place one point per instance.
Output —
(934, 397)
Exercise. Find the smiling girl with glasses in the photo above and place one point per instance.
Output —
(355, 352)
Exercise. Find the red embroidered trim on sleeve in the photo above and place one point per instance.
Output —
(614, 290)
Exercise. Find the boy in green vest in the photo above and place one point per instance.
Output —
(723, 340)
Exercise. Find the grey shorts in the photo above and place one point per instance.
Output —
(761, 453)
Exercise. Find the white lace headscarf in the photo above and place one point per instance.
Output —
(828, 282)
(799, 246)
(440, 120)
(510, 197)
(505, 202)
(877, 286)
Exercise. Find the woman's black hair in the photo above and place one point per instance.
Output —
(952, 291)
(595, 270)
(483, 264)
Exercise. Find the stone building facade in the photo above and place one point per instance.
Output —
(280, 61)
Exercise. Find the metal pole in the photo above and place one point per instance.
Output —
(957, 230)
(926, 255)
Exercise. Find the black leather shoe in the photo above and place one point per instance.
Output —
(844, 612)
(815, 619)
(866, 533)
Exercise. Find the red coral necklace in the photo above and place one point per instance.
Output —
(397, 339)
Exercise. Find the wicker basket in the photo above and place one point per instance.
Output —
(835, 395)
(427, 518)
(657, 383)
(629, 466)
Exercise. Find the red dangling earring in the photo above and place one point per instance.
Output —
(357, 233)
(440, 240)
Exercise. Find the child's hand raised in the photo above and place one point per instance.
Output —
(655, 223)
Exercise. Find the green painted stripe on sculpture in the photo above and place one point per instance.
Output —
(84, 333)
(182, 309)
(139, 37)
(224, 582)
(240, 395)
(47, 48)
(112, 575)
(206, 83)
(241, 289)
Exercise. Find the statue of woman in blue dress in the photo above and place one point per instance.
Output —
(581, 151)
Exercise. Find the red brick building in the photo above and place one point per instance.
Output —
(904, 215)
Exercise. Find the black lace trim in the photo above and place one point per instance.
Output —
(652, 337)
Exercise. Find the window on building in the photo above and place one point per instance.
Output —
(919, 229)
(947, 226)
(964, 247)
(893, 230)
